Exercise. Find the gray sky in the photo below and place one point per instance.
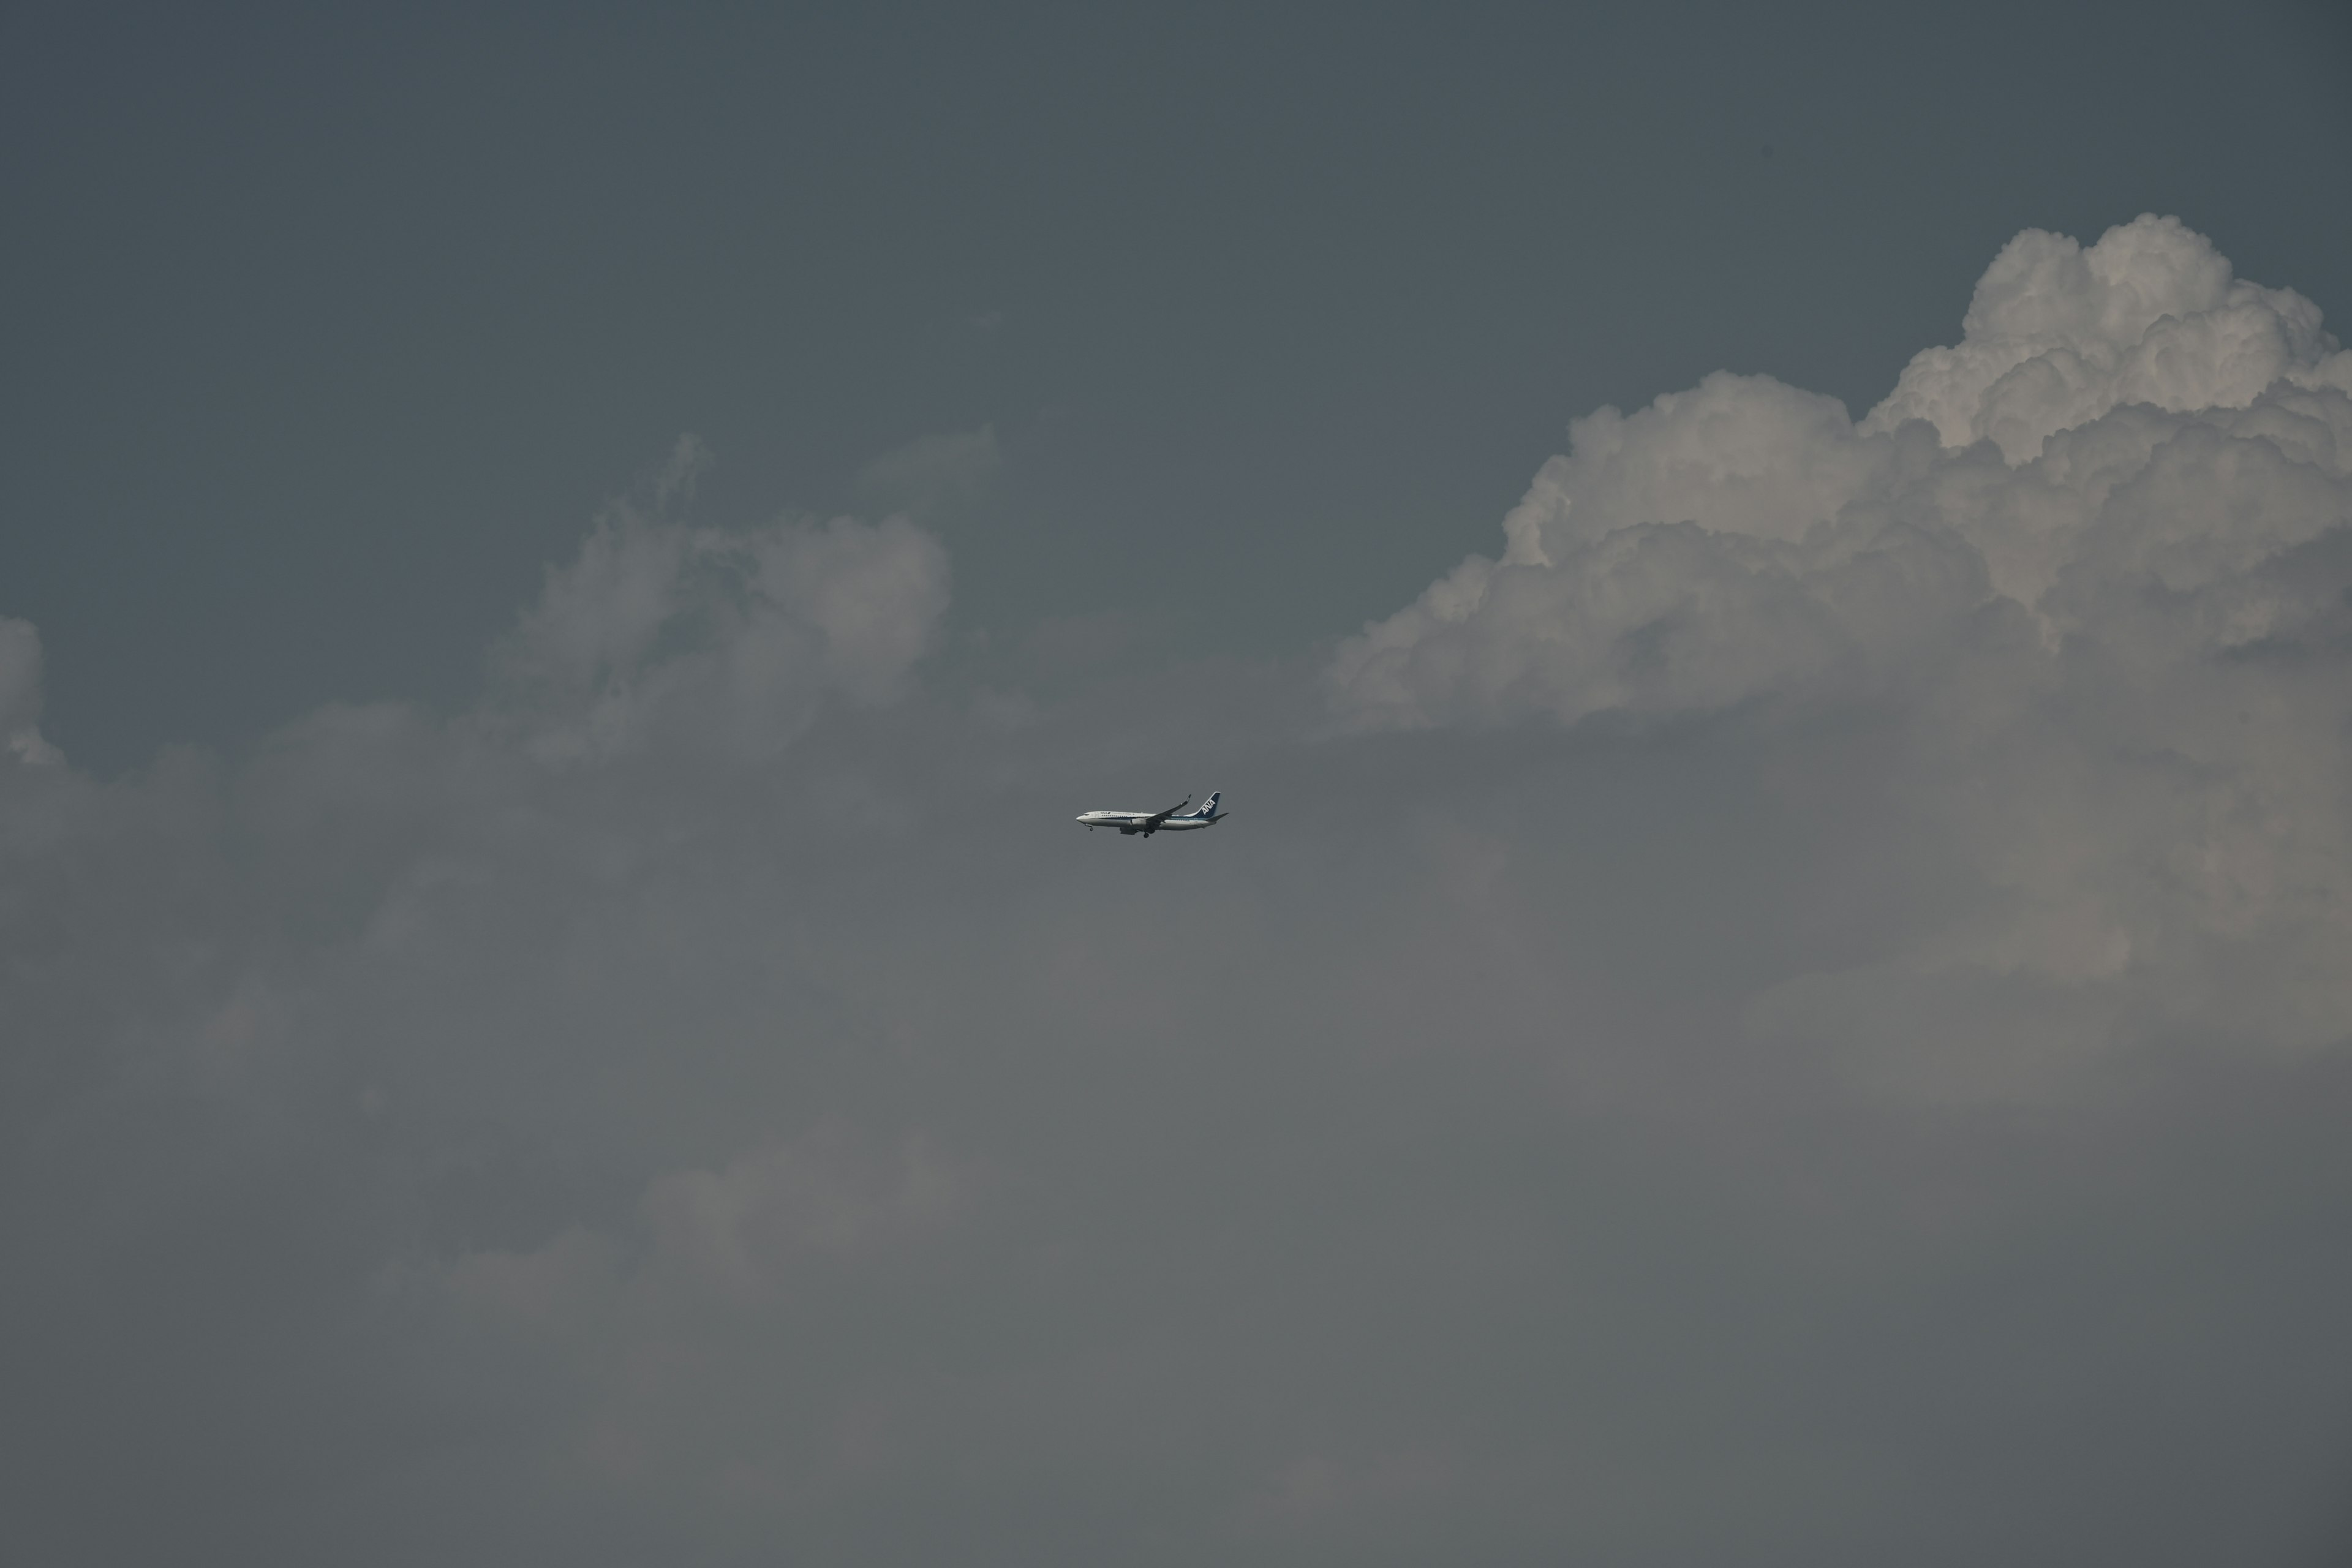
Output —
(325, 333)
(1774, 990)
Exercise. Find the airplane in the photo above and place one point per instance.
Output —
(1208, 814)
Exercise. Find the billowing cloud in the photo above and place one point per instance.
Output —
(395, 961)
(2094, 565)
(2058, 336)
(662, 633)
(2199, 438)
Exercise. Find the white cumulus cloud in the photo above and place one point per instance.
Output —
(2095, 563)
(2057, 335)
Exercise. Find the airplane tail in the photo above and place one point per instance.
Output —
(1208, 810)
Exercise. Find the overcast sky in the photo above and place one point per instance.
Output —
(1770, 590)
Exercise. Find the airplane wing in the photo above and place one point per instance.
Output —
(1157, 817)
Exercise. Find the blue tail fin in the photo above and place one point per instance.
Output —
(1208, 807)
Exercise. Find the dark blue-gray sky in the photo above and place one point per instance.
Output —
(1770, 591)
(325, 327)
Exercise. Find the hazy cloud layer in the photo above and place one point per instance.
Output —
(1796, 1017)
